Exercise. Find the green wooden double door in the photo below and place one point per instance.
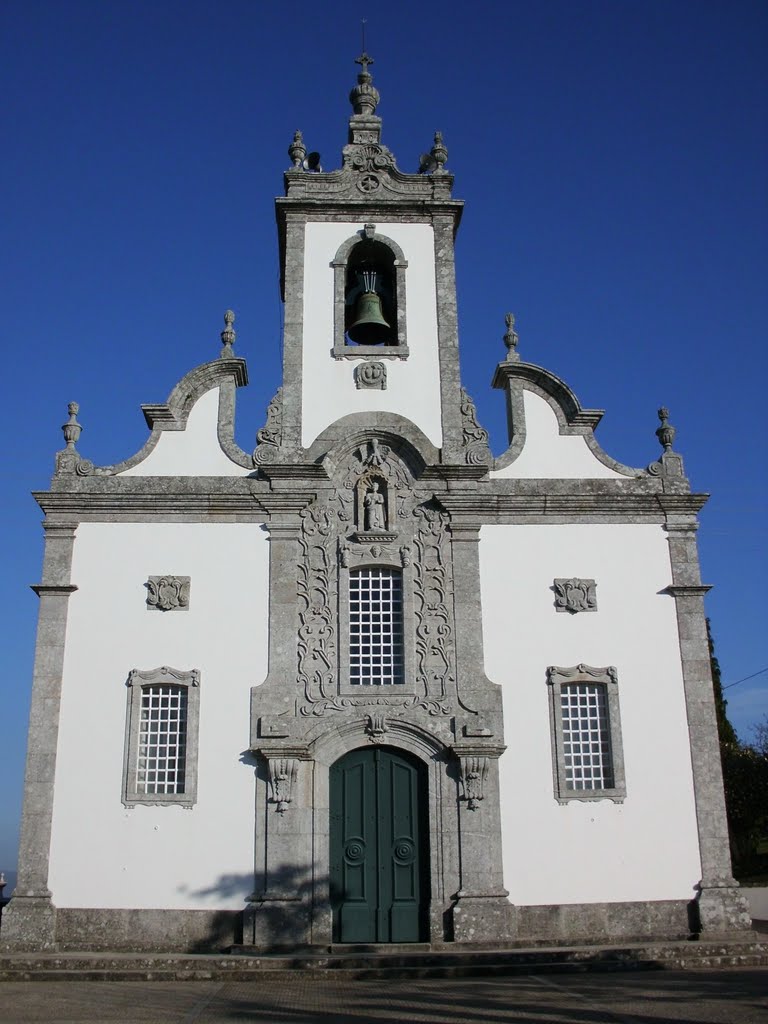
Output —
(378, 847)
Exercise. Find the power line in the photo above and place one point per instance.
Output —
(758, 673)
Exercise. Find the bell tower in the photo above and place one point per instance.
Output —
(368, 281)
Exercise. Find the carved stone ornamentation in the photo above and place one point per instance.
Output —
(474, 770)
(371, 376)
(511, 338)
(316, 646)
(228, 336)
(282, 778)
(575, 595)
(433, 604)
(376, 726)
(271, 434)
(168, 593)
(474, 437)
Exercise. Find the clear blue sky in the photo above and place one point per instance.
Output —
(613, 158)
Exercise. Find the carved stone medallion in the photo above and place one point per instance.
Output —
(575, 595)
(371, 375)
(168, 593)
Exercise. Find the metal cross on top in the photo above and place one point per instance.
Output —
(364, 60)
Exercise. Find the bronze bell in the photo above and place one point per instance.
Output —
(370, 327)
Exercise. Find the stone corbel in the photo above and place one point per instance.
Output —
(474, 771)
(474, 766)
(283, 772)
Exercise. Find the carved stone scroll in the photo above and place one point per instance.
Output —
(474, 437)
(168, 593)
(371, 375)
(270, 436)
(575, 595)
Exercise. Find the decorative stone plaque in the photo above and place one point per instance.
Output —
(575, 595)
(168, 593)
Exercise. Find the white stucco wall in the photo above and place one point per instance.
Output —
(549, 455)
(328, 386)
(647, 847)
(102, 854)
(194, 451)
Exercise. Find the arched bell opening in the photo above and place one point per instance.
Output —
(370, 295)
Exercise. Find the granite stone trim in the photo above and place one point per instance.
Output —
(342, 350)
(557, 678)
(29, 922)
(444, 229)
(136, 683)
(721, 907)
(227, 374)
(292, 259)
(514, 378)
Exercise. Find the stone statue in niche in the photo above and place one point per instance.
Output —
(375, 515)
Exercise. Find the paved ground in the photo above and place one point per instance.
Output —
(734, 996)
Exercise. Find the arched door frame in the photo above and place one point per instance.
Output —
(443, 823)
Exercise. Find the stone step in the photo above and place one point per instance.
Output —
(361, 964)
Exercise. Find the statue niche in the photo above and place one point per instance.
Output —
(374, 512)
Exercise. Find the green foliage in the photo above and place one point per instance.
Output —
(745, 778)
(725, 730)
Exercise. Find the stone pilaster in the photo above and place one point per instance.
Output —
(293, 330)
(29, 922)
(444, 226)
(721, 906)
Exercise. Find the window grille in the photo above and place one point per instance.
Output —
(161, 762)
(586, 736)
(376, 627)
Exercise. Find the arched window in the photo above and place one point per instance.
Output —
(369, 296)
(376, 656)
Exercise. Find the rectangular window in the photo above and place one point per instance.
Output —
(376, 627)
(587, 756)
(161, 737)
(161, 764)
(586, 737)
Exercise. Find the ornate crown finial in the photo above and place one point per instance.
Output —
(666, 432)
(297, 150)
(72, 429)
(511, 338)
(364, 97)
(228, 335)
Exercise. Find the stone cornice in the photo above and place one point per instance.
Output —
(53, 589)
(688, 589)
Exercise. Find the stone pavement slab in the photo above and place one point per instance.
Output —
(733, 996)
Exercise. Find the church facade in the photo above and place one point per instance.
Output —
(368, 683)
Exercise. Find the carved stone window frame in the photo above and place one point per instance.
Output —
(385, 561)
(136, 683)
(341, 350)
(606, 677)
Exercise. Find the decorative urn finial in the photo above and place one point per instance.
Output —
(72, 429)
(439, 153)
(297, 150)
(666, 432)
(228, 335)
(365, 96)
(511, 338)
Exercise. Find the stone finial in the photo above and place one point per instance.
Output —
(297, 150)
(364, 97)
(666, 432)
(511, 338)
(439, 154)
(228, 336)
(72, 429)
